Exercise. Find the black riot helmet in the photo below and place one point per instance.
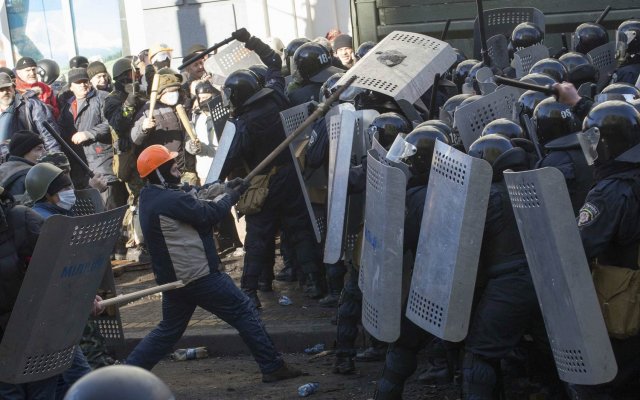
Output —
(78, 62)
(329, 86)
(311, 60)
(618, 91)
(462, 72)
(579, 68)
(538, 79)
(454, 137)
(588, 36)
(370, 100)
(447, 112)
(122, 382)
(420, 143)
(504, 127)
(528, 101)
(206, 87)
(364, 49)
(526, 34)
(552, 67)
(261, 72)
(48, 70)
(617, 130)
(460, 57)
(628, 39)
(291, 48)
(239, 86)
(498, 151)
(554, 120)
(385, 127)
(471, 83)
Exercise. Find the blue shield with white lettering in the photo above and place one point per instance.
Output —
(57, 294)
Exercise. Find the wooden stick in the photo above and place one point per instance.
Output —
(154, 94)
(127, 298)
(322, 109)
(182, 114)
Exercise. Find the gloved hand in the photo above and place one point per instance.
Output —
(192, 147)
(237, 185)
(98, 182)
(241, 35)
(148, 124)
(211, 191)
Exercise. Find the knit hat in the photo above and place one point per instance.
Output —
(342, 41)
(62, 181)
(77, 74)
(96, 68)
(25, 62)
(23, 142)
(5, 80)
(168, 78)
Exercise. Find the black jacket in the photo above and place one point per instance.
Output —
(19, 231)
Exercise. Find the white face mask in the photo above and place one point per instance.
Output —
(171, 98)
(67, 199)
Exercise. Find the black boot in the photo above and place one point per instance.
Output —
(335, 288)
(314, 287)
(253, 295)
(287, 274)
(343, 365)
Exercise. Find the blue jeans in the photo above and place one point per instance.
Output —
(38, 390)
(217, 294)
(79, 368)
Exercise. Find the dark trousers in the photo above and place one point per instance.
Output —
(217, 294)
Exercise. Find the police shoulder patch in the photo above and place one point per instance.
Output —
(588, 213)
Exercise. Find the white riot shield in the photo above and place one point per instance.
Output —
(402, 65)
(228, 134)
(472, 118)
(314, 181)
(232, 57)
(382, 251)
(604, 59)
(56, 296)
(560, 272)
(498, 49)
(524, 59)
(444, 273)
(341, 137)
(88, 202)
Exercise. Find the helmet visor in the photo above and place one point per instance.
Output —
(400, 149)
(602, 97)
(622, 43)
(226, 97)
(589, 143)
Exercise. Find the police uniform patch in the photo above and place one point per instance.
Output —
(588, 213)
(313, 137)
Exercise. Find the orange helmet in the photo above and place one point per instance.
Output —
(152, 157)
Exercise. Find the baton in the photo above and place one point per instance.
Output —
(434, 94)
(322, 109)
(66, 146)
(182, 114)
(153, 97)
(204, 53)
(128, 298)
(603, 15)
(483, 34)
(445, 30)
(548, 90)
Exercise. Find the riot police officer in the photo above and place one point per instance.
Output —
(628, 52)
(313, 65)
(610, 233)
(259, 130)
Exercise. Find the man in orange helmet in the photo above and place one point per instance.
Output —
(177, 226)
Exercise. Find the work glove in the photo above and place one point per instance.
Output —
(241, 35)
(193, 147)
(236, 185)
(210, 192)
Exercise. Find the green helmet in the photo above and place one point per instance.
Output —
(57, 158)
(121, 66)
(39, 178)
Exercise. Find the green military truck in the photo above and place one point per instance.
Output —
(374, 19)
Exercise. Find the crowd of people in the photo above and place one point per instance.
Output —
(124, 125)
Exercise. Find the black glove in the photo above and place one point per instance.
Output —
(132, 100)
(241, 35)
(237, 185)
